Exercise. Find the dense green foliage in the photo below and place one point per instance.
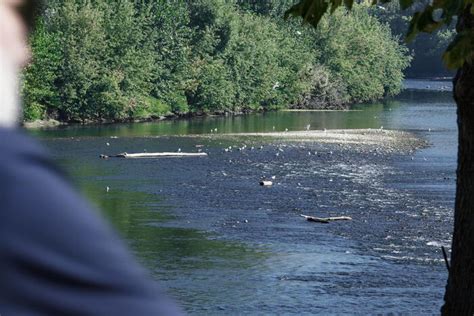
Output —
(369, 65)
(130, 59)
(425, 17)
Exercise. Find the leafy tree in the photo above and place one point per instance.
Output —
(166, 27)
(97, 60)
(83, 42)
(104, 70)
(256, 63)
(265, 64)
(459, 296)
(128, 61)
(363, 52)
(327, 91)
(39, 79)
(214, 91)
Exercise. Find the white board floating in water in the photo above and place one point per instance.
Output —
(156, 155)
(326, 220)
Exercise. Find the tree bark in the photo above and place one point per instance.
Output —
(459, 296)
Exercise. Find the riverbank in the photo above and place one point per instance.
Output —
(52, 123)
(429, 85)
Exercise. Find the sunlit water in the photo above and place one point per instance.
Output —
(221, 244)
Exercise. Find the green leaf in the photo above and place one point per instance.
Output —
(460, 51)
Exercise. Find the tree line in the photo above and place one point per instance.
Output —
(97, 60)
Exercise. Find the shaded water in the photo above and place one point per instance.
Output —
(221, 244)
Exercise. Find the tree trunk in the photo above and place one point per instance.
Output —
(459, 296)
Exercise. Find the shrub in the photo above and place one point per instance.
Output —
(363, 53)
(244, 61)
(327, 91)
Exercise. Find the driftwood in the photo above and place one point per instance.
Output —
(154, 155)
(326, 220)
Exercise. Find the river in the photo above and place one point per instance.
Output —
(221, 244)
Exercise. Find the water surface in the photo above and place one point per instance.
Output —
(221, 244)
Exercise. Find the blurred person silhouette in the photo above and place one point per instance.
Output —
(57, 257)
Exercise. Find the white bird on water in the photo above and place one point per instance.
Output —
(107, 144)
(308, 127)
(107, 189)
(179, 150)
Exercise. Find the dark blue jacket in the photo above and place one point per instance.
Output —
(57, 257)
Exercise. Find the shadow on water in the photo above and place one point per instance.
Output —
(174, 255)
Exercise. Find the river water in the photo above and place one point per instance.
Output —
(221, 244)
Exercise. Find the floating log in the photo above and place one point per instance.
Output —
(163, 154)
(155, 155)
(326, 220)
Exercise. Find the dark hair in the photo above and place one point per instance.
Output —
(29, 10)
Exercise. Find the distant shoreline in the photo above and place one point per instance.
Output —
(52, 123)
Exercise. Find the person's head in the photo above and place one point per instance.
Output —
(17, 18)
